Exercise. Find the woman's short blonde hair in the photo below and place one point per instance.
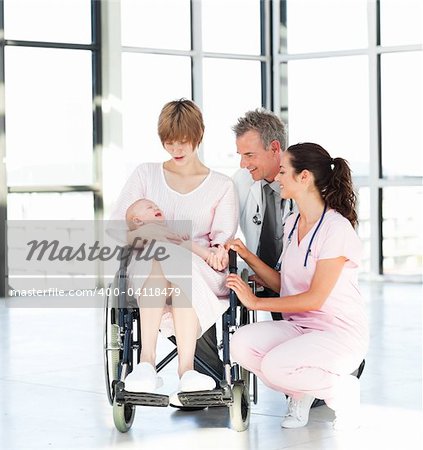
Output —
(181, 120)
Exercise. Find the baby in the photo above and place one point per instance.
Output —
(144, 211)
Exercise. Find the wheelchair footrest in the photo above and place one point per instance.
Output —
(140, 398)
(217, 397)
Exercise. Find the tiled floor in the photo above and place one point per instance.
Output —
(52, 389)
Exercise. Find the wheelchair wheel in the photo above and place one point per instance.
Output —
(239, 410)
(111, 345)
(123, 416)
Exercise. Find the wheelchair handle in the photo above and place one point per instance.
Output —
(233, 268)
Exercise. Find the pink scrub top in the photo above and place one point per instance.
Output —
(344, 309)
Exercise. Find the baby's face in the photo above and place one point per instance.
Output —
(148, 210)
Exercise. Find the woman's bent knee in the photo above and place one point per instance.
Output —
(240, 348)
(271, 366)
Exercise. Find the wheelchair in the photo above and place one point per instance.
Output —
(122, 349)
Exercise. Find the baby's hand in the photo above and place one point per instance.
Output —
(218, 258)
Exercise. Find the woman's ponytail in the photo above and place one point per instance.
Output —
(339, 193)
(332, 177)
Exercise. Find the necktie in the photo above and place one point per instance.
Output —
(270, 246)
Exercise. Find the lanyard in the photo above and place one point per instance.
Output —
(311, 240)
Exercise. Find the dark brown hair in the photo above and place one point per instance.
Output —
(181, 120)
(332, 177)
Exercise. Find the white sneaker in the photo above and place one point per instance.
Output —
(143, 378)
(346, 404)
(192, 380)
(298, 412)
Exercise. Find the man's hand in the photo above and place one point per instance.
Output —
(218, 258)
(242, 290)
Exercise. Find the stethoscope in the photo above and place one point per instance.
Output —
(257, 220)
(278, 266)
(257, 217)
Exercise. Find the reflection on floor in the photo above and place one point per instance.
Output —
(52, 389)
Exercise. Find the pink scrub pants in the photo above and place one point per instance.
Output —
(295, 360)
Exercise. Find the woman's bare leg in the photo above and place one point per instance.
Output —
(186, 332)
(151, 312)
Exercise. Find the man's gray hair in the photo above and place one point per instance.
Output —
(266, 123)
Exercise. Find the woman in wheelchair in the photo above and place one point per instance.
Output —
(325, 335)
(159, 312)
(186, 190)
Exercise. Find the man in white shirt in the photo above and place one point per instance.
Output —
(260, 139)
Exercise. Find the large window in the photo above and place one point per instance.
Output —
(324, 25)
(52, 119)
(402, 114)
(323, 108)
(400, 22)
(148, 82)
(231, 87)
(49, 124)
(48, 20)
(402, 225)
(224, 32)
(51, 206)
(349, 78)
(160, 24)
(51, 80)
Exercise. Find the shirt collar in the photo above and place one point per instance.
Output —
(274, 185)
